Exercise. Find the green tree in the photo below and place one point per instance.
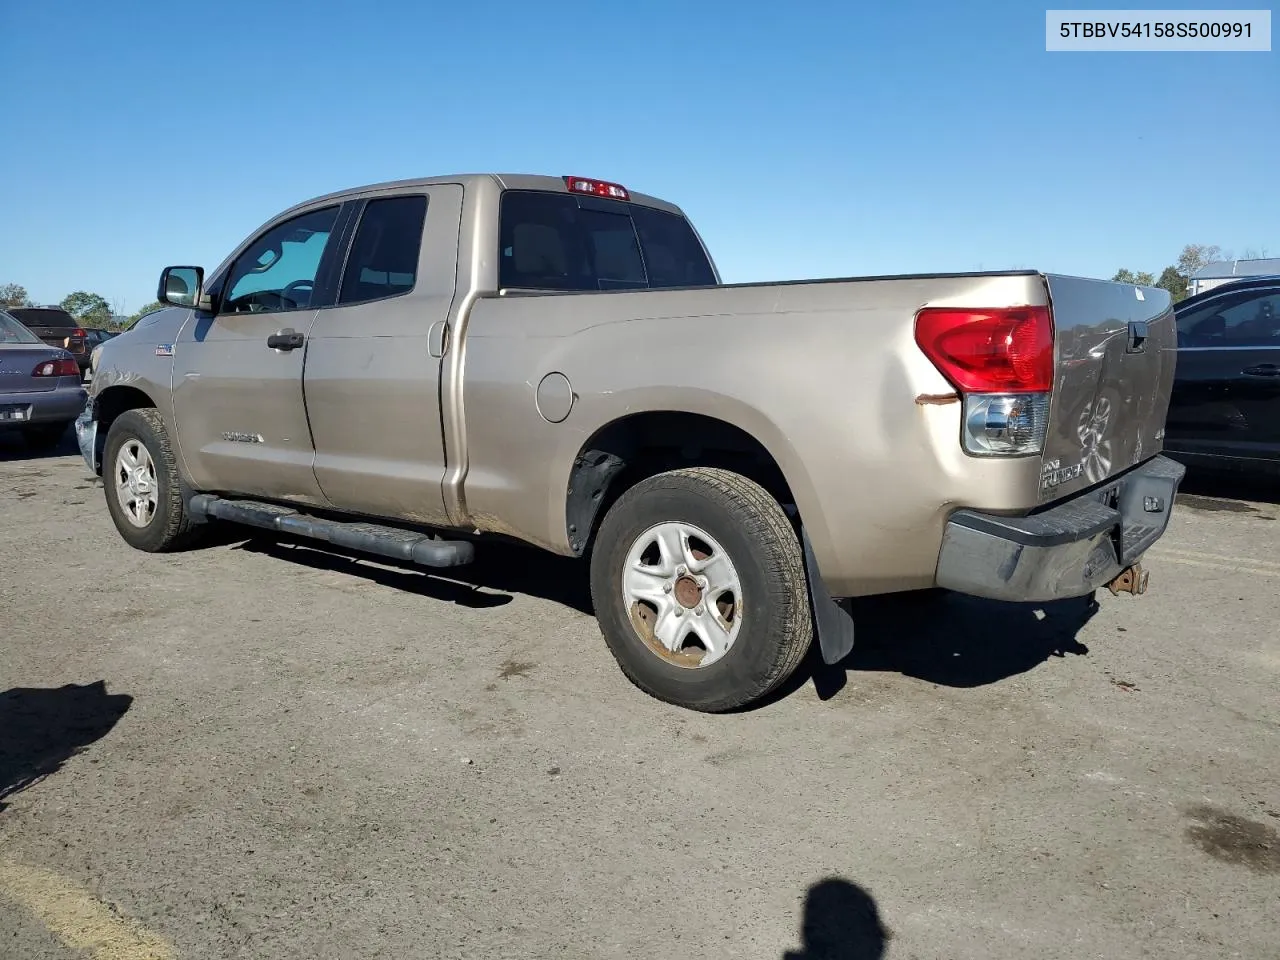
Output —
(13, 295)
(1174, 282)
(90, 309)
(1142, 279)
(1197, 255)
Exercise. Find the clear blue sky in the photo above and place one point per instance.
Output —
(804, 139)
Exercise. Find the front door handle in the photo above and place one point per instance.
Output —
(1262, 370)
(286, 339)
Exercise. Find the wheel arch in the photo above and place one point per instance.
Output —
(109, 405)
(637, 444)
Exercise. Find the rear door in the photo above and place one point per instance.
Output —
(1116, 351)
(372, 377)
(237, 375)
(1226, 399)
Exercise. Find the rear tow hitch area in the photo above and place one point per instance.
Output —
(1132, 579)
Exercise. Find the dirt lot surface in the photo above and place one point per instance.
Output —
(262, 750)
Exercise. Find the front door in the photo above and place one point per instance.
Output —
(1226, 400)
(237, 374)
(372, 378)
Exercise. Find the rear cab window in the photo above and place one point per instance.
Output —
(52, 317)
(558, 241)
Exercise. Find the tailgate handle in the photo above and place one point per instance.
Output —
(1137, 336)
(1262, 370)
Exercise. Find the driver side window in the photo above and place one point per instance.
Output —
(277, 272)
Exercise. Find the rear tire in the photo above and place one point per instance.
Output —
(45, 436)
(755, 605)
(143, 489)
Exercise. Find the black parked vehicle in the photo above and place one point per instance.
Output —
(57, 328)
(1225, 410)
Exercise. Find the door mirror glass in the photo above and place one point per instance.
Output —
(180, 286)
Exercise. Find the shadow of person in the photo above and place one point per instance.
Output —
(40, 729)
(841, 922)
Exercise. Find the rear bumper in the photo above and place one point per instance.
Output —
(61, 404)
(1066, 551)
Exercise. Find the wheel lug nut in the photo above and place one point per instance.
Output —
(679, 611)
(666, 588)
(699, 610)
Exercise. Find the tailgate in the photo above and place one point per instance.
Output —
(1115, 349)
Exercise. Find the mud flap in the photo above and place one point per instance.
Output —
(833, 619)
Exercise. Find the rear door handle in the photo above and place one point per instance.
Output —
(286, 339)
(1262, 370)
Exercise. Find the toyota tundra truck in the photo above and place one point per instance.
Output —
(415, 369)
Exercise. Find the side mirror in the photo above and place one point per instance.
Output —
(183, 287)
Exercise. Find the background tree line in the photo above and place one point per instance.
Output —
(93, 310)
(1176, 277)
(89, 309)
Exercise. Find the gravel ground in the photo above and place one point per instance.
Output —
(263, 750)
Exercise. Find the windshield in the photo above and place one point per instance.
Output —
(11, 331)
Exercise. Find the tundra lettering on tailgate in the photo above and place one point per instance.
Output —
(1053, 473)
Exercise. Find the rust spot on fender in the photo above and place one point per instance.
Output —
(937, 398)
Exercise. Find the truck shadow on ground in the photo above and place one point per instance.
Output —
(42, 728)
(950, 639)
(501, 569)
(943, 638)
(840, 922)
(13, 449)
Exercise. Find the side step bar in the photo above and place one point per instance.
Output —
(354, 535)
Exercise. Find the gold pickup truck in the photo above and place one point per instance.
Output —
(412, 368)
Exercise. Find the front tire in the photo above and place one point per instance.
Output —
(698, 583)
(144, 492)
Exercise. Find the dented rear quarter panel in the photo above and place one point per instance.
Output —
(825, 375)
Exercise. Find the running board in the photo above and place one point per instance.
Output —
(355, 535)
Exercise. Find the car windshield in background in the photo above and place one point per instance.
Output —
(11, 331)
(44, 317)
(555, 241)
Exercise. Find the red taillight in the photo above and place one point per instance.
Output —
(1005, 350)
(66, 367)
(79, 332)
(597, 188)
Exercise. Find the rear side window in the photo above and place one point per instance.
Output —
(552, 241)
(384, 257)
